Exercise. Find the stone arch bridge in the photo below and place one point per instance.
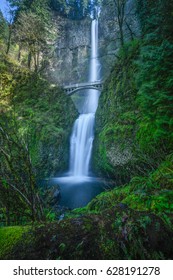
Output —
(73, 88)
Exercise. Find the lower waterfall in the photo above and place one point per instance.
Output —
(78, 186)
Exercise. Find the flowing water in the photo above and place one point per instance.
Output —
(78, 187)
(83, 131)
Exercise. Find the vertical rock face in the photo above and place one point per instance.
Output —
(108, 43)
(71, 51)
(109, 37)
(70, 61)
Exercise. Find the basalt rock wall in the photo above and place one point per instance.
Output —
(70, 60)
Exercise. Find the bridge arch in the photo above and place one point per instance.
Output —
(71, 89)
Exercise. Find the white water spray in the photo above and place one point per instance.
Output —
(83, 131)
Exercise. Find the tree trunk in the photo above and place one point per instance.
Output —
(19, 53)
(8, 208)
(35, 62)
(9, 40)
(29, 60)
(121, 35)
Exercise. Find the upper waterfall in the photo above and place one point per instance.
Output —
(83, 131)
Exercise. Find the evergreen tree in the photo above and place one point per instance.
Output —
(155, 78)
(3, 28)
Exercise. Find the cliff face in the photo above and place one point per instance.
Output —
(70, 60)
(72, 50)
(116, 153)
(70, 64)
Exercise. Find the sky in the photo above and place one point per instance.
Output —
(4, 8)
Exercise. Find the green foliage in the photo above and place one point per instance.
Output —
(116, 233)
(74, 9)
(8, 238)
(38, 109)
(3, 28)
(33, 33)
(18, 186)
(37, 6)
(154, 78)
(134, 118)
(153, 193)
(44, 124)
(117, 115)
(134, 137)
(128, 222)
(30, 31)
(34, 141)
(155, 94)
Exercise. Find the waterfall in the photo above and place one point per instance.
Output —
(82, 137)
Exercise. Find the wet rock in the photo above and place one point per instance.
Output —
(73, 44)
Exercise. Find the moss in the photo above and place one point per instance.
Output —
(41, 113)
(117, 232)
(132, 218)
(116, 118)
(152, 193)
(164, 174)
(9, 236)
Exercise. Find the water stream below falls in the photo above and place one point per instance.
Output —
(78, 187)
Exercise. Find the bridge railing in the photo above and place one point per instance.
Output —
(79, 85)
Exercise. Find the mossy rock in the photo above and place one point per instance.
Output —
(9, 237)
(119, 233)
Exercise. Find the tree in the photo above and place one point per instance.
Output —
(120, 11)
(32, 30)
(124, 12)
(6, 30)
(155, 80)
(31, 33)
(20, 5)
(17, 184)
(74, 9)
(3, 32)
(3, 28)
